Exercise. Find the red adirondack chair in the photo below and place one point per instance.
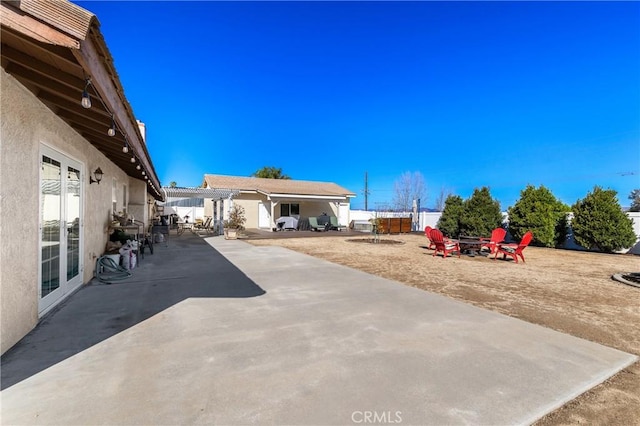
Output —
(514, 250)
(497, 236)
(444, 245)
(427, 233)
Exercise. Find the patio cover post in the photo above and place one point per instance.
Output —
(272, 221)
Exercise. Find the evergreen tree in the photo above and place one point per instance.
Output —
(600, 224)
(449, 223)
(540, 212)
(480, 214)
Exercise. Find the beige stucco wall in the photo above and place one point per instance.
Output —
(26, 124)
(139, 200)
(250, 204)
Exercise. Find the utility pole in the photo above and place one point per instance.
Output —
(366, 192)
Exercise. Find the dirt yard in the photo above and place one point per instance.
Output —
(568, 291)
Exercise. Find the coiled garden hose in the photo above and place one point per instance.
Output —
(108, 271)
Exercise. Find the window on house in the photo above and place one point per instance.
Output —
(125, 203)
(289, 209)
(114, 196)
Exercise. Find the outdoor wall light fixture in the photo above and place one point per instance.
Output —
(86, 99)
(112, 129)
(98, 176)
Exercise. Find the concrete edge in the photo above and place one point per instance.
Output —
(543, 411)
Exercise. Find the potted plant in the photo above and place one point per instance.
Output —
(234, 223)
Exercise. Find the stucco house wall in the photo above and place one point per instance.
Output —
(27, 124)
(138, 200)
(250, 203)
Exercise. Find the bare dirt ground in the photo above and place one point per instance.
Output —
(568, 291)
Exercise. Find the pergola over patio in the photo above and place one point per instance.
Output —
(214, 194)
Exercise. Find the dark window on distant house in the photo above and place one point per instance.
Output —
(289, 209)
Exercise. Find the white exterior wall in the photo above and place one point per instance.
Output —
(26, 124)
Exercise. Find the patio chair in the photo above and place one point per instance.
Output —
(497, 236)
(333, 221)
(313, 223)
(205, 226)
(514, 250)
(444, 245)
(427, 233)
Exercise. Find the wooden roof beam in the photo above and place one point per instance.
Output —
(62, 56)
(50, 85)
(102, 81)
(100, 117)
(42, 68)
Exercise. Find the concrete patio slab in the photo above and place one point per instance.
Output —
(312, 343)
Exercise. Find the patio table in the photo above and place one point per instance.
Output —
(287, 222)
(472, 246)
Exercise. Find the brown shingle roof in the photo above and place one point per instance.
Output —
(276, 186)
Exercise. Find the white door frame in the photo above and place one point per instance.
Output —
(67, 236)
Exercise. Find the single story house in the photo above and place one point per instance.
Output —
(73, 154)
(266, 200)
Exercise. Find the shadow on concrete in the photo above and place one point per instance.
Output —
(187, 268)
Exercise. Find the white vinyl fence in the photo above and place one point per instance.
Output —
(431, 219)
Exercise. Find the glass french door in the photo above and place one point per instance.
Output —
(61, 223)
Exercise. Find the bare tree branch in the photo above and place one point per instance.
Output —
(408, 187)
(441, 198)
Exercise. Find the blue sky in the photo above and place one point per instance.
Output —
(470, 94)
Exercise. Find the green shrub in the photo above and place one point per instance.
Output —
(600, 224)
(449, 223)
(540, 212)
(480, 214)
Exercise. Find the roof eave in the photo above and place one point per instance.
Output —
(64, 24)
